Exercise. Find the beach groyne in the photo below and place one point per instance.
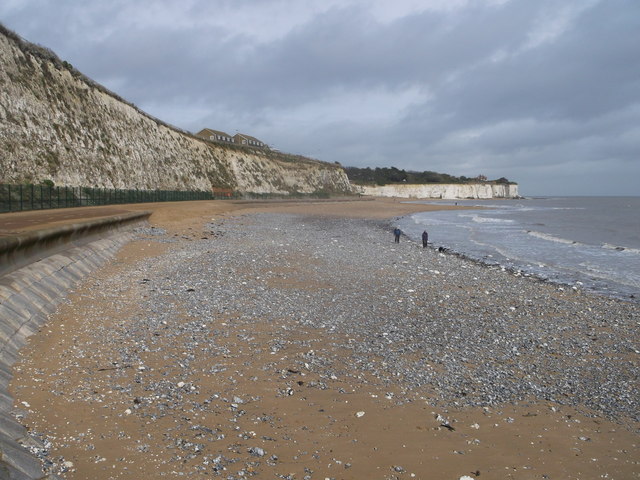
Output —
(36, 271)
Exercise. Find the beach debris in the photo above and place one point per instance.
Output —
(359, 414)
(441, 419)
(444, 422)
(116, 367)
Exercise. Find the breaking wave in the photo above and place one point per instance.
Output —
(634, 251)
(552, 238)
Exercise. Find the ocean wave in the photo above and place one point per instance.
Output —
(488, 220)
(557, 246)
(491, 220)
(552, 238)
(419, 219)
(609, 276)
(634, 251)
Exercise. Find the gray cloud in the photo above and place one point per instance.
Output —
(545, 93)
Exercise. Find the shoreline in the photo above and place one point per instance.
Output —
(518, 271)
(252, 345)
(591, 267)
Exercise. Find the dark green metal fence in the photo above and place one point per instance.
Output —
(15, 198)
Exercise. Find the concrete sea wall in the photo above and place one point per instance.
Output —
(37, 270)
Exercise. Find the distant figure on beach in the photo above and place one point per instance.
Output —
(425, 239)
(397, 232)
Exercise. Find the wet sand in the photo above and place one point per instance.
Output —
(171, 362)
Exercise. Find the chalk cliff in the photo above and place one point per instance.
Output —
(58, 125)
(450, 191)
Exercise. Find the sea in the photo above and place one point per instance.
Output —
(591, 243)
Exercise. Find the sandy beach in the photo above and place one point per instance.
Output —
(296, 340)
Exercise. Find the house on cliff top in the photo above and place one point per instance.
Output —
(237, 139)
(248, 140)
(215, 135)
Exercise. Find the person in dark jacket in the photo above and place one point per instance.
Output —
(425, 239)
(397, 232)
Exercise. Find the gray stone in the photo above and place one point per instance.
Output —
(257, 452)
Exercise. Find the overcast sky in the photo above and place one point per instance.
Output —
(543, 92)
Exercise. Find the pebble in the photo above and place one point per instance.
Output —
(257, 452)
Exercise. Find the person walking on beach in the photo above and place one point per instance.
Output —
(425, 239)
(397, 232)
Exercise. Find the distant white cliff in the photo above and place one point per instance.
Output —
(444, 191)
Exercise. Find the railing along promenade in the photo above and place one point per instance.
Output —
(16, 198)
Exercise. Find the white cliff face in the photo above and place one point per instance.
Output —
(56, 125)
(444, 191)
(269, 172)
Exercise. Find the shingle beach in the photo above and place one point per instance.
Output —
(295, 344)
